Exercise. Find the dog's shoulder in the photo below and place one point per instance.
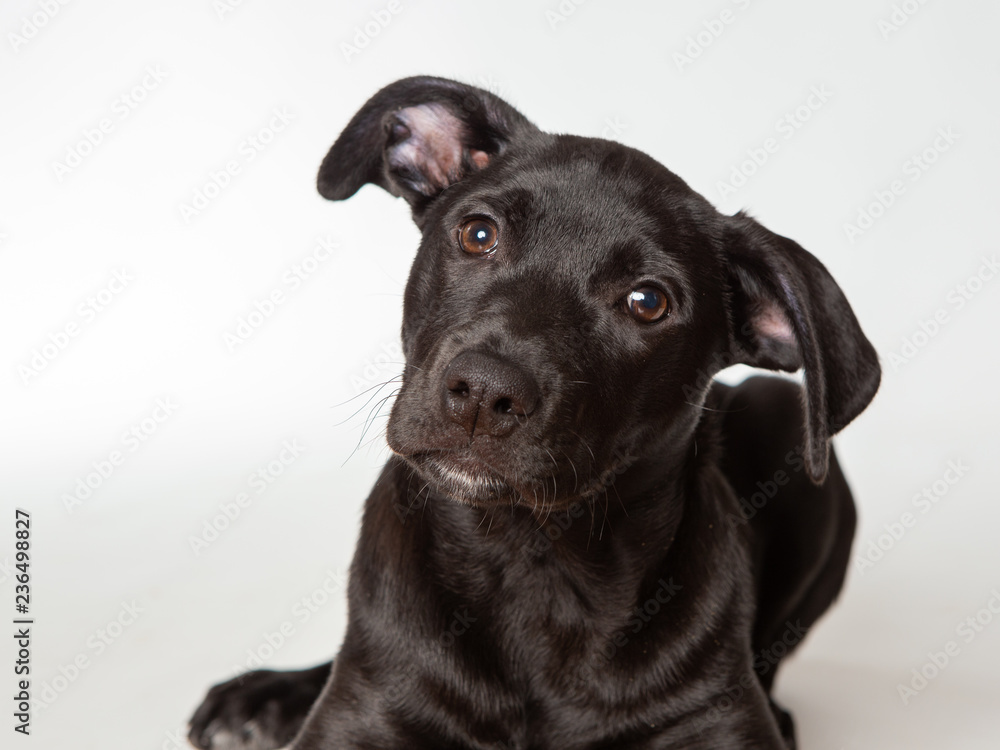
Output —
(761, 402)
(758, 426)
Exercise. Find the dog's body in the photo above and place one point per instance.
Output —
(582, 542)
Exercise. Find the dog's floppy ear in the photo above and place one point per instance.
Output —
(416, 137)
(789, 313)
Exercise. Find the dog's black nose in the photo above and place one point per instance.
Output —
(487, 395)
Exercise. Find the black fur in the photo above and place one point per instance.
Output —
(583, 541)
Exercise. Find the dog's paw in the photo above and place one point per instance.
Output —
(256, 711)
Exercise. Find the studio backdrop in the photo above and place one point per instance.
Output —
(195, 342)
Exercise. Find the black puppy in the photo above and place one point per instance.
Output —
(582, 541)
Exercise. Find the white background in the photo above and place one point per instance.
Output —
(607, 68)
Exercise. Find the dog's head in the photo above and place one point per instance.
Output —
(571, 299)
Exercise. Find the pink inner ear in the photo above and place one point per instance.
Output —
(434, 146)
(770, 321)
(479, 158)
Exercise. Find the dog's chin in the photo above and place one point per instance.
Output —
(468, 482)
(465, 481)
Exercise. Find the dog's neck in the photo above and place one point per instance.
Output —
(520, 569)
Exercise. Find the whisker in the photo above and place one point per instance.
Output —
(478, 525)
(620, 502)
(365, 404)
(600, 534)
(362, 393)
(585, 445)
(368, 423)
(373, 414)
(718, 411)
(374, 438)
(576, 478)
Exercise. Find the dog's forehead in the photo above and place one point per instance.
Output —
(606, 178)
(572, 198)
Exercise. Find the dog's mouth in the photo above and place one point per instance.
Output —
(464, 478)
(470, 480)
(538, 467)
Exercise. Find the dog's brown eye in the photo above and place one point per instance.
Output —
(478, 236)
(647, 304)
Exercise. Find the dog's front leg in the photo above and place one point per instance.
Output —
(261, 710)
